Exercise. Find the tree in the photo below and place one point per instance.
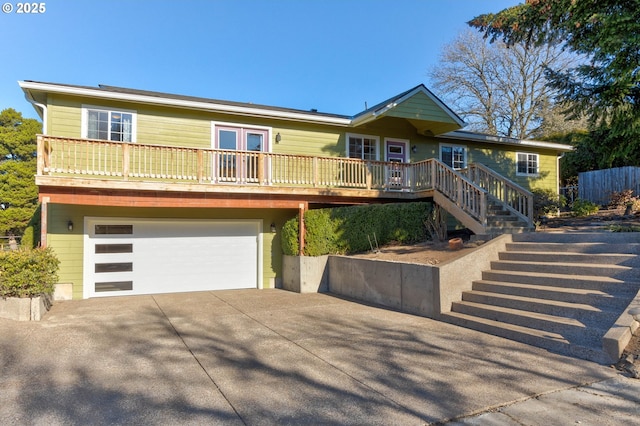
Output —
(18, 191)
(498, 89)
(606, 87)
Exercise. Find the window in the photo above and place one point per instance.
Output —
(108, 125)
(454, 156)
(526, 164)
(362, 147)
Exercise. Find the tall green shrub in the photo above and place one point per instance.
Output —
(28, 273)
(354, 229)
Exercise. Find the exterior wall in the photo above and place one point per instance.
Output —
(69, 245)
(430, 111)
(173, 127)
(176, 127)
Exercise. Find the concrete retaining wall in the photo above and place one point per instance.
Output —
(24, 309)
(304, 274)
(402, 286)
(423, 290)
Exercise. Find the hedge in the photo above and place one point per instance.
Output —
(27, 273)
(345, 230)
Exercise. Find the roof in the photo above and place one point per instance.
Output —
(36, 90)
(379, 109)
(464, 135)
(190, 102)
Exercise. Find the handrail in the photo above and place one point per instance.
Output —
(514, 197)
(467, 195)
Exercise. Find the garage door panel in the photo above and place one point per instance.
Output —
(171, 256)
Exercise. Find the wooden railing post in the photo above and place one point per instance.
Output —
(125, 160)
(200, 165)
(315, 172)
(261, 169)
(368, 177)
(40, 153)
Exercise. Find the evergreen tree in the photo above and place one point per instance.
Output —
(18, 191)
(606, 87)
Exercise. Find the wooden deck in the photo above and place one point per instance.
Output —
(94, 172)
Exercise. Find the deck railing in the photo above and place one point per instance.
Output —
(132, 161)
(514, 197)
(127, 161)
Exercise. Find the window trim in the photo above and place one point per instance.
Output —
(527, 174)
(243, 129)
(358, 135)
(466, 154)
(84, 127)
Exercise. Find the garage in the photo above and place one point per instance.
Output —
(147, 256)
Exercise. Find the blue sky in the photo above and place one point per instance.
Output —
(331, 55)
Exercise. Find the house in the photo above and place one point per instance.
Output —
(145, 192)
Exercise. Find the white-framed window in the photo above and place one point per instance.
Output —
(527, 164)
(454, 156)
(363, 147)
(108, 124)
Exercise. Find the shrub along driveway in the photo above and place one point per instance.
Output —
(261, 357)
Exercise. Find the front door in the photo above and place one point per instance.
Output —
(396, 152)
(239, 161)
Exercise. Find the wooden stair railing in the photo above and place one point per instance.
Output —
(514, 197)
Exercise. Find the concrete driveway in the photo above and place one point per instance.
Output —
(261, 357)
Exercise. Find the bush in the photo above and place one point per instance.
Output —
(624, 199)
(623, 228)
(584, 207)
(345, 230)
(31, 236)
(27, 273)
(546, 201)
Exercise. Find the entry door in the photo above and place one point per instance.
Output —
(396, 152)
(240, 161)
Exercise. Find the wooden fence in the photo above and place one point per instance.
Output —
(597, 186)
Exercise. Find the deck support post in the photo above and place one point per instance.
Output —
(44, 210)
(301, 210)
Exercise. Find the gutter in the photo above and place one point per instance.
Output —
(43, 109)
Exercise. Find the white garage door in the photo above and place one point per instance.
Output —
(145, 256)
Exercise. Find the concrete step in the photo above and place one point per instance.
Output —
(592, 248)
(581, 237)
(590, 269)
(502, 218)
(558, 257)
(570, 295)
(566, 326)
(499, 230)
(587, 314)
(543, 339)
(607, 284)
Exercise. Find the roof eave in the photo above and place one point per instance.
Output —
(481, 137)
(368, 116)
(196, 105)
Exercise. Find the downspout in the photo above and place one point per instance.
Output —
(44, 201)
(43, 108)
(558, 158)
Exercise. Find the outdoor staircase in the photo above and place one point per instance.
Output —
(558, 291)
(500, 220)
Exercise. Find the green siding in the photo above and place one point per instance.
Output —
(421, 107)
(69, 245)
